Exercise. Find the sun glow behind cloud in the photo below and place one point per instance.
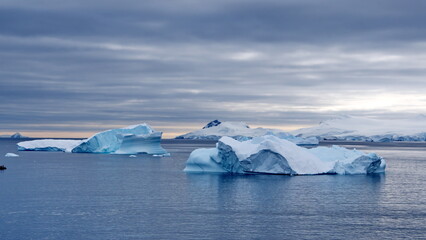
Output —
(245, 56)
(384, 102)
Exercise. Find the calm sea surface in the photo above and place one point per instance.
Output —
(51, 195)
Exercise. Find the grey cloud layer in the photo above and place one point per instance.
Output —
(185, 62)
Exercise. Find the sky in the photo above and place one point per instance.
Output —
(72, 68)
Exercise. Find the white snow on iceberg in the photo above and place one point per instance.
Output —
(11, 155)
(214, 130)
(51, 145)
(350, 128)
(129, 140)
(272, 155)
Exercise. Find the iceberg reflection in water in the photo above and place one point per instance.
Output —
(48, 195)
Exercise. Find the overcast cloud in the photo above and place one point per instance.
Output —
(86, 65)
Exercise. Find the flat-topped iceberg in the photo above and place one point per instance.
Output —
(129, 140)
(214, 130)
(51, 145)
(11, 155)
(351, 128)
(272, 155)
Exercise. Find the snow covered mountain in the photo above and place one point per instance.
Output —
(214, 130)
(350, 128)
(15, 135)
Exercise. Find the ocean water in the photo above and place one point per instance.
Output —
(52, 195)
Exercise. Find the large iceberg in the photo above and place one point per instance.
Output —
(129, 140)
(214, 130)
(351, 128)
(272, 155)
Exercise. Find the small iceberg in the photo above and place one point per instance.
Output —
(11, 155)
(129, 140)
(272, 155)
(162, 155)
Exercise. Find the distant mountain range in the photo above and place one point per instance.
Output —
(345, 128)
(350, 128)
(15, 135)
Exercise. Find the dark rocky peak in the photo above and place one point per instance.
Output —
(213, 123)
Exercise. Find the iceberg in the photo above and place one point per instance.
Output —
(351, 128)
(272, 155)
(204, 160)
(51, 145)
(11, 155)
(216, 129)
(129, 140)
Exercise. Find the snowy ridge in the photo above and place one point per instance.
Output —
(241, 131)
(272, 155)
(351, 128)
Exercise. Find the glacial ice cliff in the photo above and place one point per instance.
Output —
(272, 155)
(129, 140)
(214, 130)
